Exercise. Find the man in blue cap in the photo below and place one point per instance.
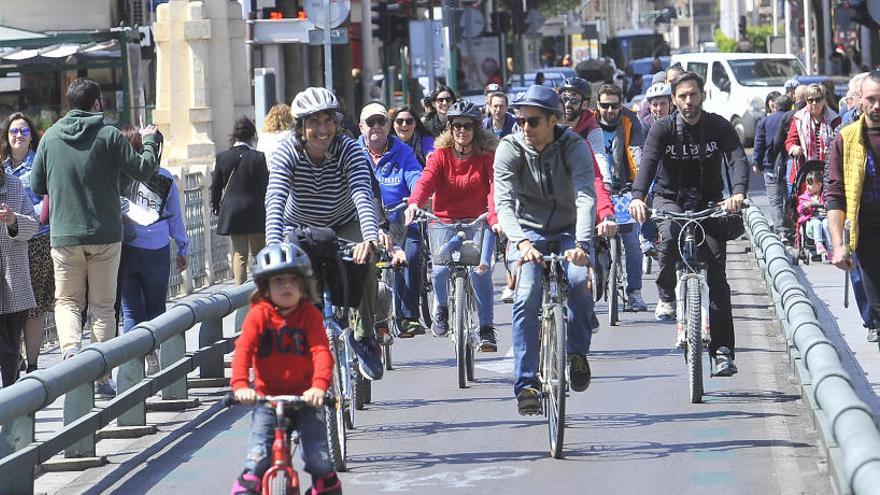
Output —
(545, 199)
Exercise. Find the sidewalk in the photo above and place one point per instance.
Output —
(842, 326)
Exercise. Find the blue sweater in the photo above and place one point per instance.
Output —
(765, 150)
(397, 171)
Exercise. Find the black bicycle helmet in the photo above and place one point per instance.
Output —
(577, 84)
(282, 257)
(464, 108)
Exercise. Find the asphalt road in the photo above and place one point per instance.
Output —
(632, 431)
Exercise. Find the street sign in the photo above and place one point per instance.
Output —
(337, 36)
(317, 12)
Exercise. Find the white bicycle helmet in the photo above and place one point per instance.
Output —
(312, 100)
(658, 89)
(282, 257)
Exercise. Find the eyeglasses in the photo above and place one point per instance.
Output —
(574, 100)
(445, 99)
(531, 121)
(24, 131)
(467, 126)
(609, 106)
(814, 100)
(381, 120)
(404, 121)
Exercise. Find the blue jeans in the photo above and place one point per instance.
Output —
(143, 281)
(309, 422)
(858, 292)
(409, 280)
(632, 252)
(821, 235)
(527, 301)
(480, 281)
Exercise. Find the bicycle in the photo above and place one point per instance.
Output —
(281, 478)
(458, 245)
(553, 328)
(692, 294)
(388, 285)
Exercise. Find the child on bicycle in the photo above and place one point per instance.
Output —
(283, 340)
(811, 211)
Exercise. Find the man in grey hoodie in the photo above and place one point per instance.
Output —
(545, 199)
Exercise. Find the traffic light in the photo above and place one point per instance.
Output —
(381, 21)
(742, 27)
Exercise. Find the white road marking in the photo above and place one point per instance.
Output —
(398, 481)
(503, 366)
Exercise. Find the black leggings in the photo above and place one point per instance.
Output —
(11, 328)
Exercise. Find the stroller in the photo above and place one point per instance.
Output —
(796, 180)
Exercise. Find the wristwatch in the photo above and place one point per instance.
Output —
(584, 246)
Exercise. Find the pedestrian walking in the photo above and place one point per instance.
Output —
(765, 159)
(19, 224)
(238, 192)
(17, 153)
(277, 127)
(78, 164)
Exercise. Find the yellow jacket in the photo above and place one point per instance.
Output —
(854, 159)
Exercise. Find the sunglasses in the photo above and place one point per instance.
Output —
(24, 131)
(609, 106)
(462, 125)
(814, 100)
(531, 121)
(404, 121)
(571, 99)
(380, 120)
(445, 99)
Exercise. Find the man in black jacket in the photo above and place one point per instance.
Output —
(693, 146)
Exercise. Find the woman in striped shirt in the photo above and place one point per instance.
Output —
(318, 177)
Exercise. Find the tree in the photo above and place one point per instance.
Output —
(556, 7)
(724, 42)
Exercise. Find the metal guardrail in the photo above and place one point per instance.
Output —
(842, 418)
(20, 454)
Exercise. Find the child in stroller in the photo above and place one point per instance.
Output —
(812, 221)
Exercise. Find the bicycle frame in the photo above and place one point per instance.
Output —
(690, 267)
(553, 356)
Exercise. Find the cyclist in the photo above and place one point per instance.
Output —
(575, 94)
(319, 177)
(499, 120)
(693, 146)
(409, 129)
(622, 152)
(283, 340)
(659, 97)
(459, 175)
(397, 170)
(545, 192)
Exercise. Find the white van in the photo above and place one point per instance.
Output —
(738, 83)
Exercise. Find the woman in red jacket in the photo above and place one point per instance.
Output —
(283, 340)
(459, 174)
(812, 128)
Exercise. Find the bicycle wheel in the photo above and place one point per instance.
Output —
(386, 356)
(279, 483)
(613, 283)
(459, 321)
(694, 341)
(359, 389)
(336, 418)
(647, 266)
(555, 380)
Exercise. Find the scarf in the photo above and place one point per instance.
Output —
(620, 167)
(815, 140)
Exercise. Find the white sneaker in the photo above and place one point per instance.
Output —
(507, 295)
(635, 301)
(153, 363)
(665, 311)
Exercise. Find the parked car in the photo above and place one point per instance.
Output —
(553, 77)
(738, 83)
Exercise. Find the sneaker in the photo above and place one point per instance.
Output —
(69, 353)
(104, 389)
(649, 249)
(153, 363)
(872, 335)
(724, 365)
(440, 326)
(528, 401)
(665, 311)
(246, 484)
(383, 334)
(488, 340)
(635, 301)
(409, 328)
(328, 485)
(578, 372)
(507, 295)
(369, 356)
(31, 368)
(820, 249)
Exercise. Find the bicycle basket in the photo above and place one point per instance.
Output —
(471, 249)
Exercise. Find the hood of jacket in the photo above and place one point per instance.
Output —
(79, 125)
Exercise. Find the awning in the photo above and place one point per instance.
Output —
(104, 49)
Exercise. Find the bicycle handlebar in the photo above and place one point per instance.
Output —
(230, 400)
(714, 212)
(423, 215)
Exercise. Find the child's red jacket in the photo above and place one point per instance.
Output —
(288, 354)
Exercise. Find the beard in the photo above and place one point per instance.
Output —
(572, 114)
(874, 117)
